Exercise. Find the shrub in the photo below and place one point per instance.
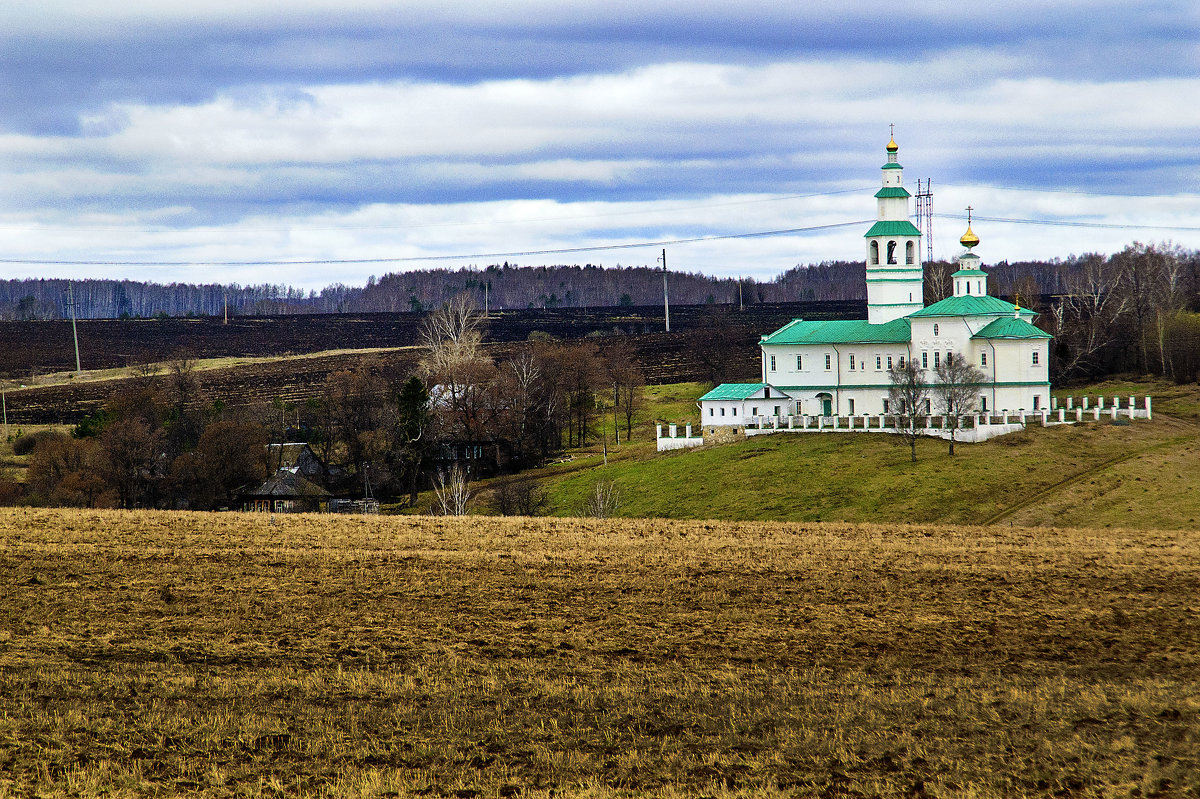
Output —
(27, 444)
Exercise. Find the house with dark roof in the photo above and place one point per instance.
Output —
(285, 492)
(840, 368)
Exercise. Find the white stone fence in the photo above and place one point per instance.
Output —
(969, 428)
(674, 441)
(1094, 407)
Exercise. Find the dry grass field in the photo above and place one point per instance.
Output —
(169, 653)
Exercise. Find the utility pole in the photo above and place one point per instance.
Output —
(616, 421)
(74, 329)
(226, 308)
(741, 303)
(666, 304)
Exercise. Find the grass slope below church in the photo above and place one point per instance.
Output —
(1073, 473)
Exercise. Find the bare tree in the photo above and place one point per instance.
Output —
(1084, 320)
(453, 491)
(955, 390)
(604, 501)
(908, 395)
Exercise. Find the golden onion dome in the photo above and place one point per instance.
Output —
(892, 146)
(969, 239)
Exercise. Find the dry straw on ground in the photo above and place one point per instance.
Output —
(229, 655)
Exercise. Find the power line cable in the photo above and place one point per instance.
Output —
(464, 257)
(638, 212)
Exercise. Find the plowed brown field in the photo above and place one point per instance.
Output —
(233, 654)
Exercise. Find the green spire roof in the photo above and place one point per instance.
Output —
(892, 228)
(892, 191)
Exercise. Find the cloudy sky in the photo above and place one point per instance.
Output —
(180, 142)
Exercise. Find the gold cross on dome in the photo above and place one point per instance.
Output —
(969, 209)
(892, 129)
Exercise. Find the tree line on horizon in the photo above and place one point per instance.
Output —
(510, 286)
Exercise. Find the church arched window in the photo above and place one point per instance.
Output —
(891, 252)
(874, 252)
(910, 253)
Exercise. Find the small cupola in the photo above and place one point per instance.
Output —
(969, 280)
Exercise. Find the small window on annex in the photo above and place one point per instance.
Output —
(889, 362)
(937, 359)
(983, 359)
(1035, 357)
(754, 411)
(828, 361)
(722, 411)
(852, 362)
(901, 361)
(983, 402)
(1037, 402)
(878, 362)
(935, 330)
(712, 412)
(924, 359)
(799, 362)
(851, 403)
(772, 363)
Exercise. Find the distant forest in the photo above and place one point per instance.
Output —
(509, 286)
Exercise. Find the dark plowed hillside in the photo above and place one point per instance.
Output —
(664, 357)
(26, 347)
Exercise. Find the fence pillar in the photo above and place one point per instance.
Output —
(1148, 406)
(1113, 411)
(1117, 403)
(674, 430)
(658, 427)
(688, 434)
(1062, 415)
(1132, 405)
(1045, 417)
(1070, 403)
(1054, 403)
(1096, 411)
(835, 423)
(1085, 403)
(1100, 402)
(1079, 414)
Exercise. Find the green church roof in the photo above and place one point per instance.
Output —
(897, 331)
(970, 273)
(971, 305)
(737, 391)
(892, 166)
(892, 228)
(892, 191)
(1008, 327)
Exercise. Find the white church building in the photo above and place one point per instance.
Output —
(840, 368)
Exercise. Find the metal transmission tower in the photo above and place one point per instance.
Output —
(925, 216)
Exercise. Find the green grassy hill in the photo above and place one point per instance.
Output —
(1142, 474)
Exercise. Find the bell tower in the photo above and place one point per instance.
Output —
(895, 283)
